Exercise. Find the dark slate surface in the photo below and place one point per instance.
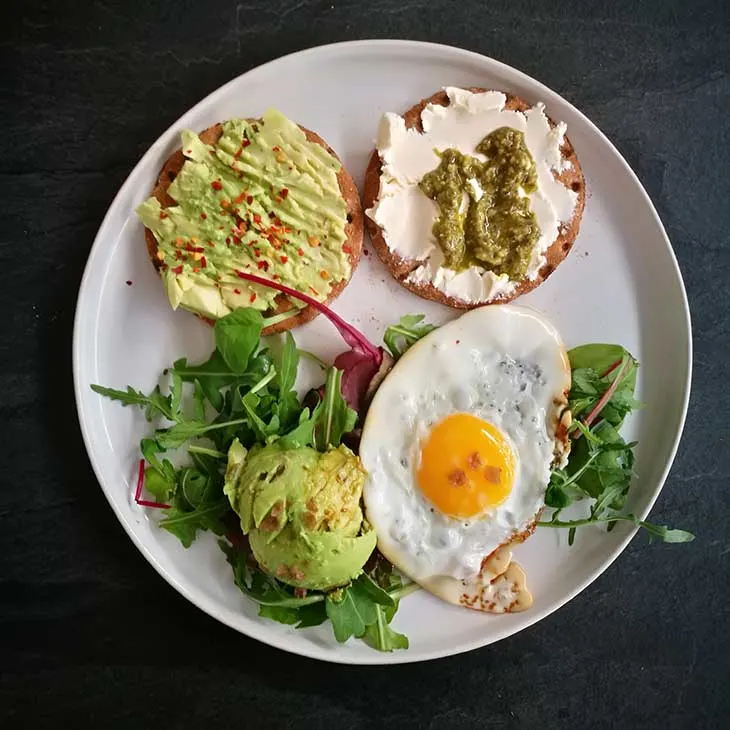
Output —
(90, 635)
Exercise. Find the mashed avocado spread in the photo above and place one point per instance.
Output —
(301, 511)
(484, 212)
(262, 200)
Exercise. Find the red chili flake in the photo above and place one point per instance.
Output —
(188, 152)
(284, 192)
(177, 270)
(256, 253)
(228, 241)
(129, 283)
(283, 259)
(195, 269)
(237, 153)
(256, 218)
(240, 198)
(346, 248)
(203, 262)
(276, 149)
(210, 243)
(245, 142)
(225, 203)
(272, 214)
(249, 199)
(252, 298)
(474, 460)
(457, 478)
(263, 265)
(163, 215)
(300, 251)
(203, 216)
(216, 185)
(276, 277)
(236, 291)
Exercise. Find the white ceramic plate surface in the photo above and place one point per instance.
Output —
(620, 284)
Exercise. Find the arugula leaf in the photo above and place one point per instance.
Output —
(198, 402)
(336, 418)
(237, 337)
(176, 390)
(595, 368)
(660, 532)
(303, 433)
(399, 337)
(281, 614)
(153, 403)
(600, 465)
(185, 525)
(313, 614)
(289, 365)
(351, 611)
(212, 375)
(160, 487)
(379, 635)
(177, 435)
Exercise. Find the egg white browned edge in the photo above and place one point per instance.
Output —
(497, 570)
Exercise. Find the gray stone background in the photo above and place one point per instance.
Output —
(89, 634)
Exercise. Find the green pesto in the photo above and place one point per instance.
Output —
(494, 229)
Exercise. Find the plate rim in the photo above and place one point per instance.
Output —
(280, 642)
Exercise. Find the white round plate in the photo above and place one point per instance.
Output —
(620, 284)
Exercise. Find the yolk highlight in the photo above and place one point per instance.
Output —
(466, 467)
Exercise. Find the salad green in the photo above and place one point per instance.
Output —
(239, 410)
(243, 398)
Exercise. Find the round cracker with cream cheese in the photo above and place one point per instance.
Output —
(403, 267)
(353, 226)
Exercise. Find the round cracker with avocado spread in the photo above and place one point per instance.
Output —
(261, 196)
(473, 197)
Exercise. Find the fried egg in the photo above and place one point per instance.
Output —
(459, 442)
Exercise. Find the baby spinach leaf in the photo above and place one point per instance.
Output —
(237, 337)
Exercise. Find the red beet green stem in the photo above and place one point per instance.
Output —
(354, 338)
(140, 486)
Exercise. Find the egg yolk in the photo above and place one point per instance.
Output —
(466, 466)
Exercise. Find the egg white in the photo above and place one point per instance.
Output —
(505, 364)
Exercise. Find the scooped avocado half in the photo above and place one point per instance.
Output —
(301, 511)
(260, 196)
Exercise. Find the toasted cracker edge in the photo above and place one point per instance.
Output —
(353, 225)
(401, 267)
